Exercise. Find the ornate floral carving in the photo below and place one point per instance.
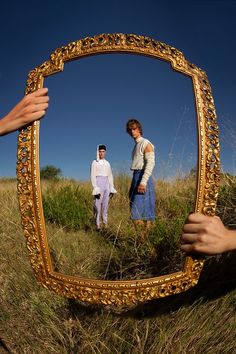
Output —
(115, 293)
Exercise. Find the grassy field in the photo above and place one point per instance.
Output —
(118, 252)
(35, 320)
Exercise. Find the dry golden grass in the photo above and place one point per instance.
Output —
(35, 320)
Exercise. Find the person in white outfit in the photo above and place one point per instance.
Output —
(103, 186)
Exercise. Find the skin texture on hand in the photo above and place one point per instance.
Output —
(141, 188)
(32, 107)
(207, 235)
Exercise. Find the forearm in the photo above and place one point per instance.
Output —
(4, 126)
(229, 243)
(93, 175)
(111, 183)
(148, 167)
(9, 124)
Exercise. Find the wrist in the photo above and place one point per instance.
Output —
(5, 125)
(143, 183)
(231, 240)
(1, 128)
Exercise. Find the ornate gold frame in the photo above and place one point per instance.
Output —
(115, 293)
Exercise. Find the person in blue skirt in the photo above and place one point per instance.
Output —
(142, 191)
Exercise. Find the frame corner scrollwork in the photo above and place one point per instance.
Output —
(115, 293)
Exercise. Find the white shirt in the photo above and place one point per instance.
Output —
(101, 168)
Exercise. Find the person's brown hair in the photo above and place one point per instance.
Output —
(131, 123)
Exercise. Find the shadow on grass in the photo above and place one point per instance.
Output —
(141, 260)
(217, 279)
(3, 347)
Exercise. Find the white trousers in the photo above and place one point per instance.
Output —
(101, 204)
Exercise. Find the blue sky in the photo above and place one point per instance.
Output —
(92, 99)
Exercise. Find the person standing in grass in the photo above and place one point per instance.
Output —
(103, 186)
(142, 191)
(30, 108)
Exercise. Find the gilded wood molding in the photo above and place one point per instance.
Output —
(115, 293)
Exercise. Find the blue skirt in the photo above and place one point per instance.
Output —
(142, 206)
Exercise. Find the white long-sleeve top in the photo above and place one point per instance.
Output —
(101, 168)
(142, 160)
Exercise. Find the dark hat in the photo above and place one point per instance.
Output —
(102, 147)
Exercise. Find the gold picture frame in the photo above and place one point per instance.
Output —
(115, 293)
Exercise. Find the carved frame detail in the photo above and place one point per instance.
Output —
(115, 293)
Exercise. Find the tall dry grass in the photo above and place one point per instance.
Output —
(118, 252)
(35, 320)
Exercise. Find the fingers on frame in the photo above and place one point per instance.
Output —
(37, 115)
(41, 99)
(41, 91)
(186, 247)
(188, 238)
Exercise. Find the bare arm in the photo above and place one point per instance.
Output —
(207, 235)
(29, 109)
(142, 187)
